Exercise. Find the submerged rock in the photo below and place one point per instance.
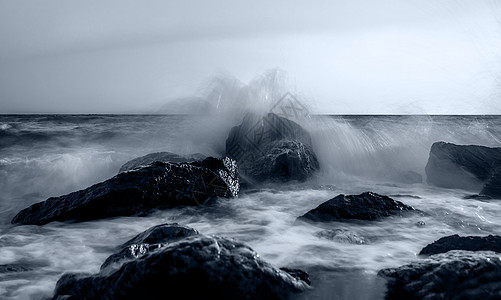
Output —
(137, 192)
(342, 236)
(272, 148)
(14, 268)
(147, 241)
(469, 243)
(366, 206)
(463, 166)
(159, 156)
(451, 275)
(196, 267)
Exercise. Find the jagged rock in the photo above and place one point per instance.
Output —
(469, 243)
(159, 156)
(137, 192)
(366, 206)
(451, 275)
(298, 274)
(461, 166)
(147, 241)
(342, 235)
(271, 148)
(196, 267)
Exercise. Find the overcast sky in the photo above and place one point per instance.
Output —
(371, 56)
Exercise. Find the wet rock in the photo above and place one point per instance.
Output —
(159, 156)
(284, 160)
(196, 267)
(478, 197)
(14, 268)
(451, 275)
(139, 191)
(366, 206)
(492, 187)
(145, 242)
(342, 236)
(420, 223)
(271, 148)
(469, 243)
(461, 166)
(298, 274)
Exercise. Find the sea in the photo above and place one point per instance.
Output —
(42, 156)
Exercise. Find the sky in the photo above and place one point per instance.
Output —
(343, 57)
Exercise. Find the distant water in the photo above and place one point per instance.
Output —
(51, 155)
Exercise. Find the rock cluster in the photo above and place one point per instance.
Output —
(456, 268)
(272, 148)
(188, 265)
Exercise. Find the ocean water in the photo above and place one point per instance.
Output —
(51, 155)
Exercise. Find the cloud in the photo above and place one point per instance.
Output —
(117, 56)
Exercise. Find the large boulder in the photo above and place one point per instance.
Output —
(366, 206)
(195, 267)
(159, 156)
(469, 243)
(271, 148)
(462, 166)
(145, 242)
(137, 192)
(452, 275)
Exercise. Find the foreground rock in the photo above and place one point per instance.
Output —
(464, 166)
(145, 242)
(137, 192)
(469, 243)
(451, 275)
(159, 156)
(272, 148)
(195, 267)
(366, 206)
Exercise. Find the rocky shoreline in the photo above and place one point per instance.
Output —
(272, 149)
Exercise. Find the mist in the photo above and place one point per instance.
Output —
(361, 57)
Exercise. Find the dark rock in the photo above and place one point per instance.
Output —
(161, 234)
(420, 223)
(366, 206)
(478, 197)
(137, 192)
(147, 241)
(469, 243)
(492, 187)
(451, 275)
(159, 156)
(298, 274)
(197, 267)
(342, 236)
(14, 268)
(461, 166)
(271, 148)
(284, 160)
